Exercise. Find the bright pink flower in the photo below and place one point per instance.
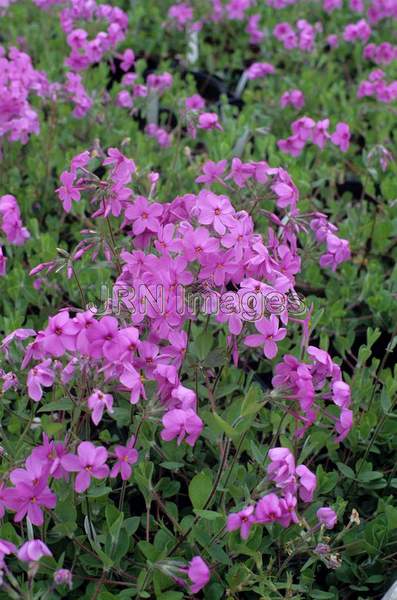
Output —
(341, 136)
(307, 483)
(144, 215)
(320, 133)
(40, 376)
(208, 121)
(6, 548)
(198, 242)
(128, 59)
(216, 211)
(123, 168)
(60, 334)
(303, 128)
(103, 337)
(195, 103)
(199, 574)
(212, 171)
(269, 334)
(97, 403)
(258, 70)
(268, 509)
(68, 192)
(288, 508)
(126, 456)
(27, 498)
(243, 520)
(181, 424)
(281, 469)
(344, 424)
(89, 462)
(49, 455)
(293, 145)
(33, 550)
(327, 517)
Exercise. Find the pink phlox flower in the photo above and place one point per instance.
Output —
(269, 334)
(125, 457)
(97, 403)
(89, 462)
(307, 483)
(243, 520)
(32, 551)
(42, 375)
(212, 171)
(181, 424)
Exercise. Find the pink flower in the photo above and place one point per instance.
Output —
(144, 215)
(195, 102)
(27, 497)
(216, 211)
(281, 469)
(327, 517)
(258, 70)
(49, 456)
(320, 133)
(128, 59)
(90, 462)
(6, 548)
(97, 402)
(293, 97)
(103, 337)
(208, 121)
(341, 395)
(212, 171)
(307, 483)
(126, 456)
(60, 334)
(124, 99)
(243, 520)
(181, 424)
(269, 334)
(268, 509)
(123, 168)
(68, 192)
(341, 137)
(40, 375)
(32, 551)
(63, 577)
(344, 424)
(199, 574)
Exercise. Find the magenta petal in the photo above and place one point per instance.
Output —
(82, 482)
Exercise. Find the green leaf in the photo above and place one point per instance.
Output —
(346, 471)
(58, 405)
(226, 428)
(208, 515)
(200, 489)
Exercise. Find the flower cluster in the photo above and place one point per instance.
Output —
(380, 54)
(359, 31)
(306, 130)
(18, 79)
(376, 86)
(291, 482)
(302, 38)
(307, 383)
(11, 225)
(293, 98)
(85, 51)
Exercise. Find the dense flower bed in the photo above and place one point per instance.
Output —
(197, 256)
